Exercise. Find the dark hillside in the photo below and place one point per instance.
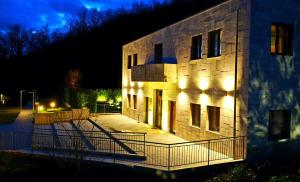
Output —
(97, 53)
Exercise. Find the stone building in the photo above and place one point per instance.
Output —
(231, 70)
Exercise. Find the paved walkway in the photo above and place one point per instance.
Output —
(118, 122)
(23, 123)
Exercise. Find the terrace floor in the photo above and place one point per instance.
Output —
(121, 123)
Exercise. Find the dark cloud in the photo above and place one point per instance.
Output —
(35, 13)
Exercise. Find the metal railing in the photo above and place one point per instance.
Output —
(149, 154)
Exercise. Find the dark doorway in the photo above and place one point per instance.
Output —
(158, 109)
(172, 114)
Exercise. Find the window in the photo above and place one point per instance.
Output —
(279, 124)
(214, 43)
(129, 62)
(158, 53)
(196, 51)
(134, 101)
(128, 100)
(281, 40)
(135, 60)
(196, 114)
(213, 118)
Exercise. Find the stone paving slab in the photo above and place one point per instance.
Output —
(118, 122)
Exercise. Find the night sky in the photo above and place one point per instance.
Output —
(55, 13)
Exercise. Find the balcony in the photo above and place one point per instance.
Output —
(154, 73)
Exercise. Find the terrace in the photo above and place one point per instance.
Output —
(120, 140)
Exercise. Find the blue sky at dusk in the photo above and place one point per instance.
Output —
(55, 13)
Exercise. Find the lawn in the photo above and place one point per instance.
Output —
(13, 165)
(8, 114)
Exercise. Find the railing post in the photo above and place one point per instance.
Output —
(144, 144)
(53, 144)
(169, 157)
(208, 152)
(114, 152)
(244, 140)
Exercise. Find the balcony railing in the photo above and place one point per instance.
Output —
(154, 73)
(148, 154)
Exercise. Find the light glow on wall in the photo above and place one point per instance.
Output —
(124, 92)
(228, 102)
(182, 83)
(132, 84)
(204, 83)
(183, 98)
(140, 93)
(125, 84)
(228, 83)
(131, 91)
(204, 99)
(165, 118)
(140, 84)
(150, 118)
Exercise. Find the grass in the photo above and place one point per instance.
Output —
(14, 165)
(8, 114)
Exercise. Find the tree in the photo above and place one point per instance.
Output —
(3, 47)
(95, 18)
(16, 40)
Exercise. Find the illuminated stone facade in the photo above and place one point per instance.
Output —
(209, 80)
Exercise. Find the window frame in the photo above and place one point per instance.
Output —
(128, 100)
(129, 62)
(209, 119)
(198, 107)
(284, 134)
(135, 60)
(158, 46)
(288, 51)
(198, 46)
(134, 98)
(209, 44)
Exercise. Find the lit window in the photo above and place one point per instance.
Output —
(196, 51)
(213, 118)
(279, 124)
(135, 60)
(129, 62)
(134, 101)
(196, 114)
(281, 39)
(214, 43)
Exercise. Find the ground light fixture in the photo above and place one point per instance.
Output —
(41, 108)
(52, 104)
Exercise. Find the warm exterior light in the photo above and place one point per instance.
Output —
(204, 84)
(228, 84)
(52, 104)
(41, 108)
